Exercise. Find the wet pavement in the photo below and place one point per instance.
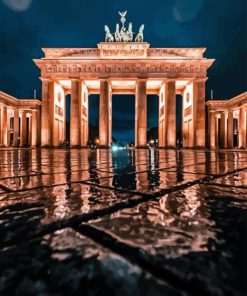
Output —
(129, 222)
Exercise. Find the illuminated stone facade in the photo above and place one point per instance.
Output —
(123, 68)
(19, 121)
(227, 122)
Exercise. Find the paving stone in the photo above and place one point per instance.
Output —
(191, 241)
(236, 179)
(187, 229)
(65, 262)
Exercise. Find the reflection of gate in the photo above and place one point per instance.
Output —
(235, 132)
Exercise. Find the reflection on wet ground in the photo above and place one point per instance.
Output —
(130, 222)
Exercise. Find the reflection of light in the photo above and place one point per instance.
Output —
(116, 148)
(18, 5)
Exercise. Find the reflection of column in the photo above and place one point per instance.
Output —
(141, 114)
(170, 114)
(16, 128)
(230, 130)
(242, 128)
(199, 113)
(34, 129)
(212, 130)
(223, 130)
(141, 165)
(75, 111)
(47, 112)
(24, 129)
(104, 163)
(104, 114)
(4, 126)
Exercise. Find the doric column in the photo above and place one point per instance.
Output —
(29, 128)
(141, 114)
(34, 131)
(242, 128)
(230, 130)
(47, 112)
(199, 113)
(222, 130)
(4, 132)
(84, 116)
(8, 128)
(39, 125)
(161, 116)
(212, 130)
(170, 114)
(75, 113)
(24, 128)
(64, 118)
(105, 114)
(16, 128)
(1, 128)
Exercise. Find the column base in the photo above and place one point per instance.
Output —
(199, 147)
(170, 147)
(141, 147)
(103, 147)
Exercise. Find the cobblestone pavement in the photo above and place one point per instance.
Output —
(130, 222)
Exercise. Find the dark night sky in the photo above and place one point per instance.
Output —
(28, 25)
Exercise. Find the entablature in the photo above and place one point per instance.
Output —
(123, 50)
(233, 103)
(128, 68)
(24, 104)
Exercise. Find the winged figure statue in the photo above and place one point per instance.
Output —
(123, 34)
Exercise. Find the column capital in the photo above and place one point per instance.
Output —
(200, 79)
(170, 80)
(44, 79)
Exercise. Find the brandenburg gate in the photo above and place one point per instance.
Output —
(123, 65)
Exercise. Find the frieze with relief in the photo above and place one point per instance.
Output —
(134, 68)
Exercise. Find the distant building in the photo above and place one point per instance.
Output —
(20, 121)
(227, 122)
